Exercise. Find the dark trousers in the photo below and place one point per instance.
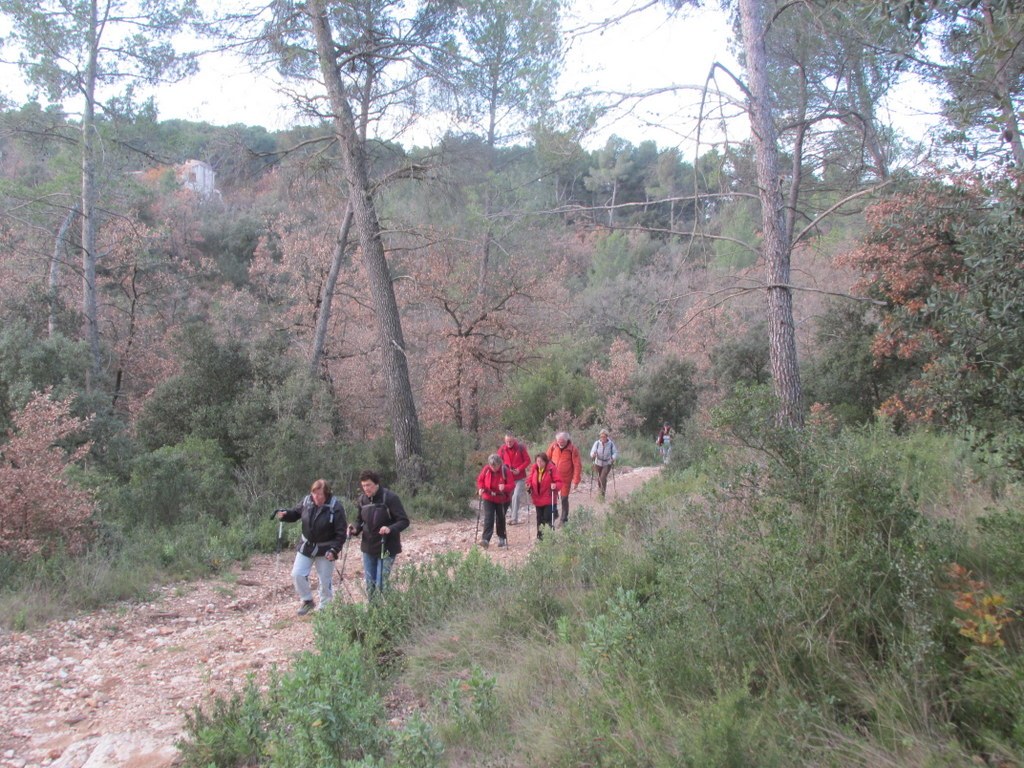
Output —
(602, 477)
(494, 514)
(565, 510)
(546, 515)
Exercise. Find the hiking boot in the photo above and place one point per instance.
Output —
(484, 543)
(306, 607)
(502, 542)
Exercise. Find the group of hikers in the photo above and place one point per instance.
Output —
(548, 478)
(502, 486)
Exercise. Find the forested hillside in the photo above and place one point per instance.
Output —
(198, 320)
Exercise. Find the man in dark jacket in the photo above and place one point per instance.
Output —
(381, 521)
(323, 535)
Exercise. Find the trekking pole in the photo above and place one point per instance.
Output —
(553, 508)
(479, 511)
(380, 566)
(341, 571)
(280, 535)
(614, 491)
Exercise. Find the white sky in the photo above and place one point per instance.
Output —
(647, 51)
(643, 52)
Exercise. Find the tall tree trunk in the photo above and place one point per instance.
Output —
(60, 251)
(796, 165)
(867, 123)
(323, 317)
(90, 307)
(485, 250)
(1001, 83)
(779, 297)
(401, 405)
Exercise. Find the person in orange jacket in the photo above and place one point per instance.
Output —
(566, 458)
(544, 484)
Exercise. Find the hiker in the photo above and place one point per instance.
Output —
(515, 456)
(494, 487)
(604, 453)
(323, 536)
(664, 442)
(544, 485)
(566, 458)
(382, 519)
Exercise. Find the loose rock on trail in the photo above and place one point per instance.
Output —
(111, 688)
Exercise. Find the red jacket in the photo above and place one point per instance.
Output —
(488, 481)
(567, 462)
(516, 458)
(540, 487)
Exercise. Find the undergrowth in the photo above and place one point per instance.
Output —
(804, 600)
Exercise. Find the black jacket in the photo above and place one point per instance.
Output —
(324, 528)
(384, 508)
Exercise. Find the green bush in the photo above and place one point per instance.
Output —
(299, 443)
(231, 735)
(325, 710)
(176, 483)
(742, 359)
(200, 401)
(668, 392)
(547, 388)
(844, 372)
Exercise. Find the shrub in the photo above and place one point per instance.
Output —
(548, 388)
(232, 734)
(668, 392)
(743, 359)
(177, 483)
(43, 510)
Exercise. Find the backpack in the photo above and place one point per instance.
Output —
(333, 505)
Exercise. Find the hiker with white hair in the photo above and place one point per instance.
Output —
(604, 453)
(566, 458)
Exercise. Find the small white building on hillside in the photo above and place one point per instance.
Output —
(199, 177)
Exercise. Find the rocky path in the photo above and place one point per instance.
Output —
(111, 688)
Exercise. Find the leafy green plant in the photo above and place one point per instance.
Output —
(668, 392)
(231, 734)
(469, 700)
(176, 483)
(415, 745)
(325, 710)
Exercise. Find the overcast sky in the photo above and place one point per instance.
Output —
(647, 51)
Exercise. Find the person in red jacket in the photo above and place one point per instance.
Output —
(494, 486)
(544, 485)
(566, 458)
(515, 456)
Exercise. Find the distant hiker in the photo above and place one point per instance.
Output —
(382, 519)
(604, 453)
(494, 486)
(515, 456)
(566, 458)
(544, 485)
(664, 442)
(323, 535)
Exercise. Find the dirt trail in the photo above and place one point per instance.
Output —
(111, 688)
